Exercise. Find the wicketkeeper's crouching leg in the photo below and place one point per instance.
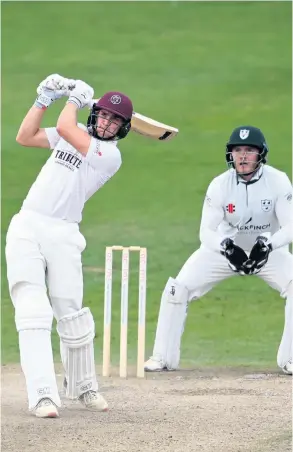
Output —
(77, 332)
(198, 275)
(171, 321)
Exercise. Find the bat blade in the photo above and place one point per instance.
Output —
(151, 128)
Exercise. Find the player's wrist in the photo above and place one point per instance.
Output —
(263, 240)
(226, 243)
(75, 101)
(39, 105)
(43, 101)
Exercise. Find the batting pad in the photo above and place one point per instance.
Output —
(171, 322)
(77, 332)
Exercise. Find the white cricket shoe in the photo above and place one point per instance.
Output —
(155, 365)
(93, 400)
(288, 368)
(46, 408)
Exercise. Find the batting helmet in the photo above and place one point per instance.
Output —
(116, 103)
(247, 136)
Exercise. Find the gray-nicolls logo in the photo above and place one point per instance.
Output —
(86, 387)
(44, 391)
(172, 291)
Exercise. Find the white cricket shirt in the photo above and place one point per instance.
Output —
(242, 211)
(68, 179)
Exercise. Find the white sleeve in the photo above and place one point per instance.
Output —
(283, 209)
(103, 156)
(212, 215)
(53, 136)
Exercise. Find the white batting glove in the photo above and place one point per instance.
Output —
(52, 88)
(81, 95)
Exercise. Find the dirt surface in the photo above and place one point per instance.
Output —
(222, 411)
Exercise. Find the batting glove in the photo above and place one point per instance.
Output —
(52, 88)
(81, 95)
(235, 255)
(258, 256)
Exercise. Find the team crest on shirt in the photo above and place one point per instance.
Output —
(266, 205)
(244, 133)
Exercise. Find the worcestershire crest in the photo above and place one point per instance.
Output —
(244, 133)
(266, 205)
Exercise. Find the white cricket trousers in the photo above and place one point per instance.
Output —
(44, 272)
(205, 268)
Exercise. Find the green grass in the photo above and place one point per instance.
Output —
(204, 67)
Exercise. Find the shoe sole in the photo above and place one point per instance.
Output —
(52, 415)
(164, 369)
(89, 408)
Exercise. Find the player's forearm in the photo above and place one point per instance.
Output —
(67, 120)
(30, 126)
(212, 215)
(283, 237)
(68, 129)
(211, 239)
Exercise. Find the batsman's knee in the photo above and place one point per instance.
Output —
(32, 307)
(78, 329)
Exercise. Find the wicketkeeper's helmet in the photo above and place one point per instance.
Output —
(116, 103)
(247, 136)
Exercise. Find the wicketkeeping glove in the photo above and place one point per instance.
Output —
(235, 255)
(258, 256)
(52, 88)
(81, 95)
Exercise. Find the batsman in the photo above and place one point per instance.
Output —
(44, 244)
(245, 230)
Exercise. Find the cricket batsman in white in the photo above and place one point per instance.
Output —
(246, 228)
(44, 244)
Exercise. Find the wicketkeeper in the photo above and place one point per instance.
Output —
(246, 227)
(44, 244)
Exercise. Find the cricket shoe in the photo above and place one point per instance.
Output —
(155, 365)
(93, 400)
(288, 368)
(46, 408)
